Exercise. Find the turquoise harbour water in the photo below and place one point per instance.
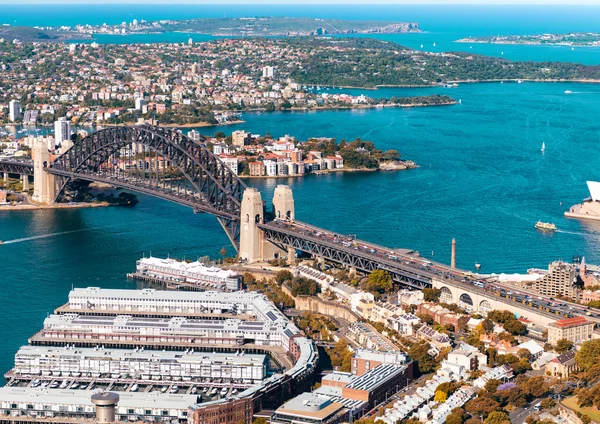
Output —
(482, 179)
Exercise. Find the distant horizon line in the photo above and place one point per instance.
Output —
(310, 2)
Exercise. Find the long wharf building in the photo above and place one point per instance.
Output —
(193, 274)
(144, 365)
(237, 345)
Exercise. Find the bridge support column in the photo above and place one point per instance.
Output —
(6, 178)
(291, 256)
(25, 179)
(453, 255)
(44, 190)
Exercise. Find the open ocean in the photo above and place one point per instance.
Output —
(482, 179)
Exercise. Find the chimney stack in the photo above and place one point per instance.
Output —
(453, 257)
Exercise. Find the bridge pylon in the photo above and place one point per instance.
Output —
(283, 202)
(283, 208)
(44, 188)
(253, 246)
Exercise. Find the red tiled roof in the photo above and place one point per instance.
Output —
(570, 322)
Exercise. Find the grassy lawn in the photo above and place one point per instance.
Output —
(593, 413)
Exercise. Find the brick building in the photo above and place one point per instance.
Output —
(443, 316)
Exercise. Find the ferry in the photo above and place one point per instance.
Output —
(545, 226)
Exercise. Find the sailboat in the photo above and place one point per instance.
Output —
(543, 147)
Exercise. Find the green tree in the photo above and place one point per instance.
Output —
(535, 387)
(481, 405)
(379, 282)
(283, 276)
(249, 279)
(431, 295)
(588, 354)
(497, 417)
(425, 362)
(487, 325)
(492, 385)
(392, 155)
(548, 403)
(454, 419)
(563, 346)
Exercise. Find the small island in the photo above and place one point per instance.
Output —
(579, 39)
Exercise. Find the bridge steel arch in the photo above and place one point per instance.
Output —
(195, 178)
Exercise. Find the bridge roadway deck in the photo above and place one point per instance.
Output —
(135, 184)
(406, 266)
(359, 254)
(22, 167)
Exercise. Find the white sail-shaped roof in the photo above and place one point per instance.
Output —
(594, 188)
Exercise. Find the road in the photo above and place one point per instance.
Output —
(408, 259)
(519, 416)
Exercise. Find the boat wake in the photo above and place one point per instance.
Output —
(578, 233)
(20, 240)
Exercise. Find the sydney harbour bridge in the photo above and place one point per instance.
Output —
(164, 163)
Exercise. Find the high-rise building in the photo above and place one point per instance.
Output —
(561, 280)
(140, 103)
(268, 72)
(241, 138)
(62, 131)
(14, 110)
